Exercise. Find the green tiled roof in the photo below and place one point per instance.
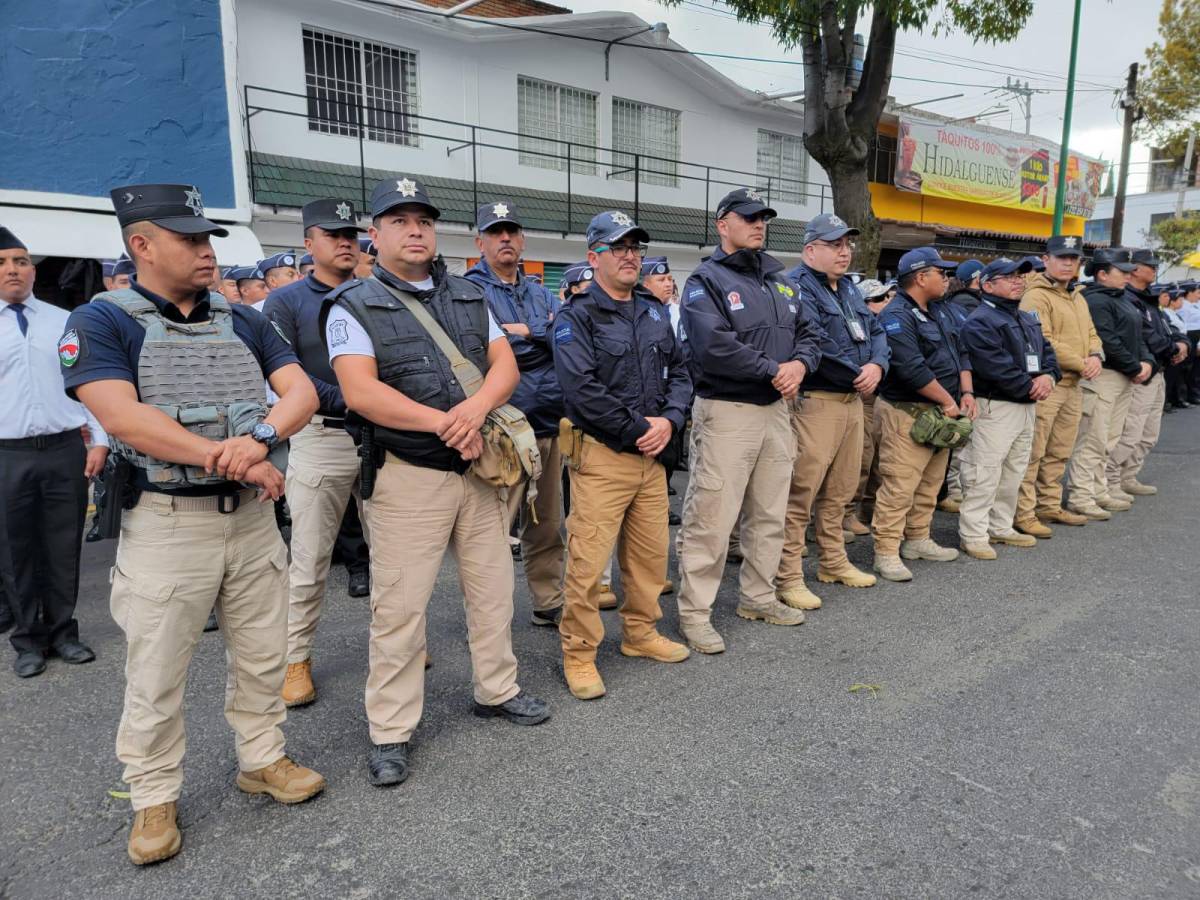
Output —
(290, 181)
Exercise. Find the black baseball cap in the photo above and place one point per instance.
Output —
(175, 207)
(1064, 245)
(1145, 257)
(330, 215)
(1117, 257)
(402, 191)
(745, 202)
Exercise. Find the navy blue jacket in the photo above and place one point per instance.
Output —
(538, 394)
(296, 309)
(923, 348)
(741, 318)
(962, 303)
(999, 336)
(842, 357)
(618, 363)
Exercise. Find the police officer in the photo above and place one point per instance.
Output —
(1144, 420)
(876, 295)
(279, 270)
(1013, 368)
(749, 346)
(952, 311)
(829, 421)
(307, 263)
(123, 271)
(524, 311)
(251, 287)
(397, 380)
(366, 258)
(323, 465)
(658, 280)
(175, 374)
(627, 390)
(969, 294)
(1127, 361)
(44, 468)
(576, 279)
(1190, 313)
(1067, 325)
(928, 368)
(229, 287)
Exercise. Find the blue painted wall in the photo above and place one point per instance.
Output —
(99, 93)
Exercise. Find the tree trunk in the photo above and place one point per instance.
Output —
(852, 201)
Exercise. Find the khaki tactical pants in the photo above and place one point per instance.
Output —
(910, 476)
(1140, 434)
(174, 561)
(542, 549)
(741, 460)
(829, 435)
(993, 465)
(1105, 406)
(954, 480)
(613, 494)
(863, 504)
(415, 514)
(1053, 439)
(322, 477)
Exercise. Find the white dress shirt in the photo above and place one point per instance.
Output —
(1190, 313)
(32, 398)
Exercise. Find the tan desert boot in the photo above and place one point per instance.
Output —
(298, 688)
(155, 835)
(583, 679)
(284, 780)
(655, 646)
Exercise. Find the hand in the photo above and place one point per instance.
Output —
(516, 328)
(1091, 367)
(787, 379)
(233, 457)
(868, 379)
(1041, 388)
(951, 409)
(95, 462)
(460, 421)
(471, 447)
(1144, 375)
(657, 437)
(1181, 355)
(264, 475)
(968, 407)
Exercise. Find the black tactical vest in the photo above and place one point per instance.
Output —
(409, 360)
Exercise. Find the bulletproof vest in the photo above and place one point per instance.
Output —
(200, 374)
(408, 359)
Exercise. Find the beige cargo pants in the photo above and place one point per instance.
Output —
(1105, 405)
(910, 476)
(543, 553)
(993, 465)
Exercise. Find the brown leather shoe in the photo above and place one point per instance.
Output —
(284, 780)
(1063, 517)
(1035, 528)
(298, 689)
(583, 679)
(155, 835)
(655, 646)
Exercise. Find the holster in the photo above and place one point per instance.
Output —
(370, 460)
(115, 494)
(570, 442)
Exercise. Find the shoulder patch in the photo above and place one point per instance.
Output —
(654, 314)
(891, 327)
(338, 333)
(69, 348)
(563, 334)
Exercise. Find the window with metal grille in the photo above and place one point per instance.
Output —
(342, 73)
(644, 129)
(781, 158)
(546, 110)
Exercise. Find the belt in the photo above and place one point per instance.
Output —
(222, 503)
(328, 422)
(913, 409)
(40, 441)
(835, 396)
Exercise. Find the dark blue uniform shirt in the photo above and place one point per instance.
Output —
(527, 303)
(741, 317)
(923, 349)
(853, 336)
(1007, 350)
(619, 363)
(296, 310)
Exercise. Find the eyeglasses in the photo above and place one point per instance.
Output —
(839, 245)
(1012, 276)
(619, 250)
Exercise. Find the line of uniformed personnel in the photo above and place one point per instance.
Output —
(399, 385)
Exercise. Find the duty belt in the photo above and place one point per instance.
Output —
(39, 441)
(913, 409)
(334, 422)
(222, 503)
(835, 396)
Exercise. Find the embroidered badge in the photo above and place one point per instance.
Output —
(338, 333)
(68, 348)
(563, 334)
(735, 300)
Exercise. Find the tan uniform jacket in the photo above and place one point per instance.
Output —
(1066, 323)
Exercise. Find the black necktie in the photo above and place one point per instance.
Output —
(22, 322)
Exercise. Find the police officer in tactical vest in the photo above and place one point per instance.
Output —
(406, 393)
(175, 375)
(323, 466)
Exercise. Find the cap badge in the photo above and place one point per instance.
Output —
(660, 269)
(128, 198)
(289, 260)
(407, 187)
(836, 222)
(754, 195)
(621, 219)
(1069, 243)
(500, 211)
(343, 211)
(587, 274)
(193, 201)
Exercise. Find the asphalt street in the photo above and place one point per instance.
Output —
(1032, 730)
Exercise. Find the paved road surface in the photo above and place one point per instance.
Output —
(1035, 733)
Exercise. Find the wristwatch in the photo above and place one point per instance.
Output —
(265, 434)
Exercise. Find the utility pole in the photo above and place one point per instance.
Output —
(1130, 105)
(1024, 95)
(1185, 176)
(1060, 193)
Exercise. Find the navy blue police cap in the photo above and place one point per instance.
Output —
(745, 202)
(124, 267)
(921, 258)
(283, 260)
(827, 227)
(577, 272)
(655, 265)
(330, 215)
(245, 273)
(1035, 263)
(998, 268)
(402, 191)
(106, 265)
(1117, 257)
(175, 207)
(494, 213)
(227, 273)
(9, 241)
(367, 246)
(612, 226)
(1064, 245)
(968, 270)
(307, 260)
(1145, 257)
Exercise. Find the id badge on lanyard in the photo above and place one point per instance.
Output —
(1032, 363)
(856, 330)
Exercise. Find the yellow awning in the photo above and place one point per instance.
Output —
(1192, 260)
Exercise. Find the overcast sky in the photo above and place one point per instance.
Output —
(1114, 33)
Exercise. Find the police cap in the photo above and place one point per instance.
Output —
(745, 202)
(827, 227)
(655, 265)
(245, 273)
(330, 215)
(1035, 263)
(998, 268)
(577, 272)
(1144, 257)
(612, 226)
(124, 267)
(966, 271)
(1117, 257)
(284, 260)
(307, 260)
(175, 207)
(1064, 245)
(490, 214)
(402, 191)
(921, 258)
(367, 246)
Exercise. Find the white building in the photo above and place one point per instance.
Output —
(1142, 212)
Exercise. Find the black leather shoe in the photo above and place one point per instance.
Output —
(73, 652)
(212, 624)
(673, 519)
(520, 710)
(360, 583)
(29, 663)
(547, 618)
(388, 764)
